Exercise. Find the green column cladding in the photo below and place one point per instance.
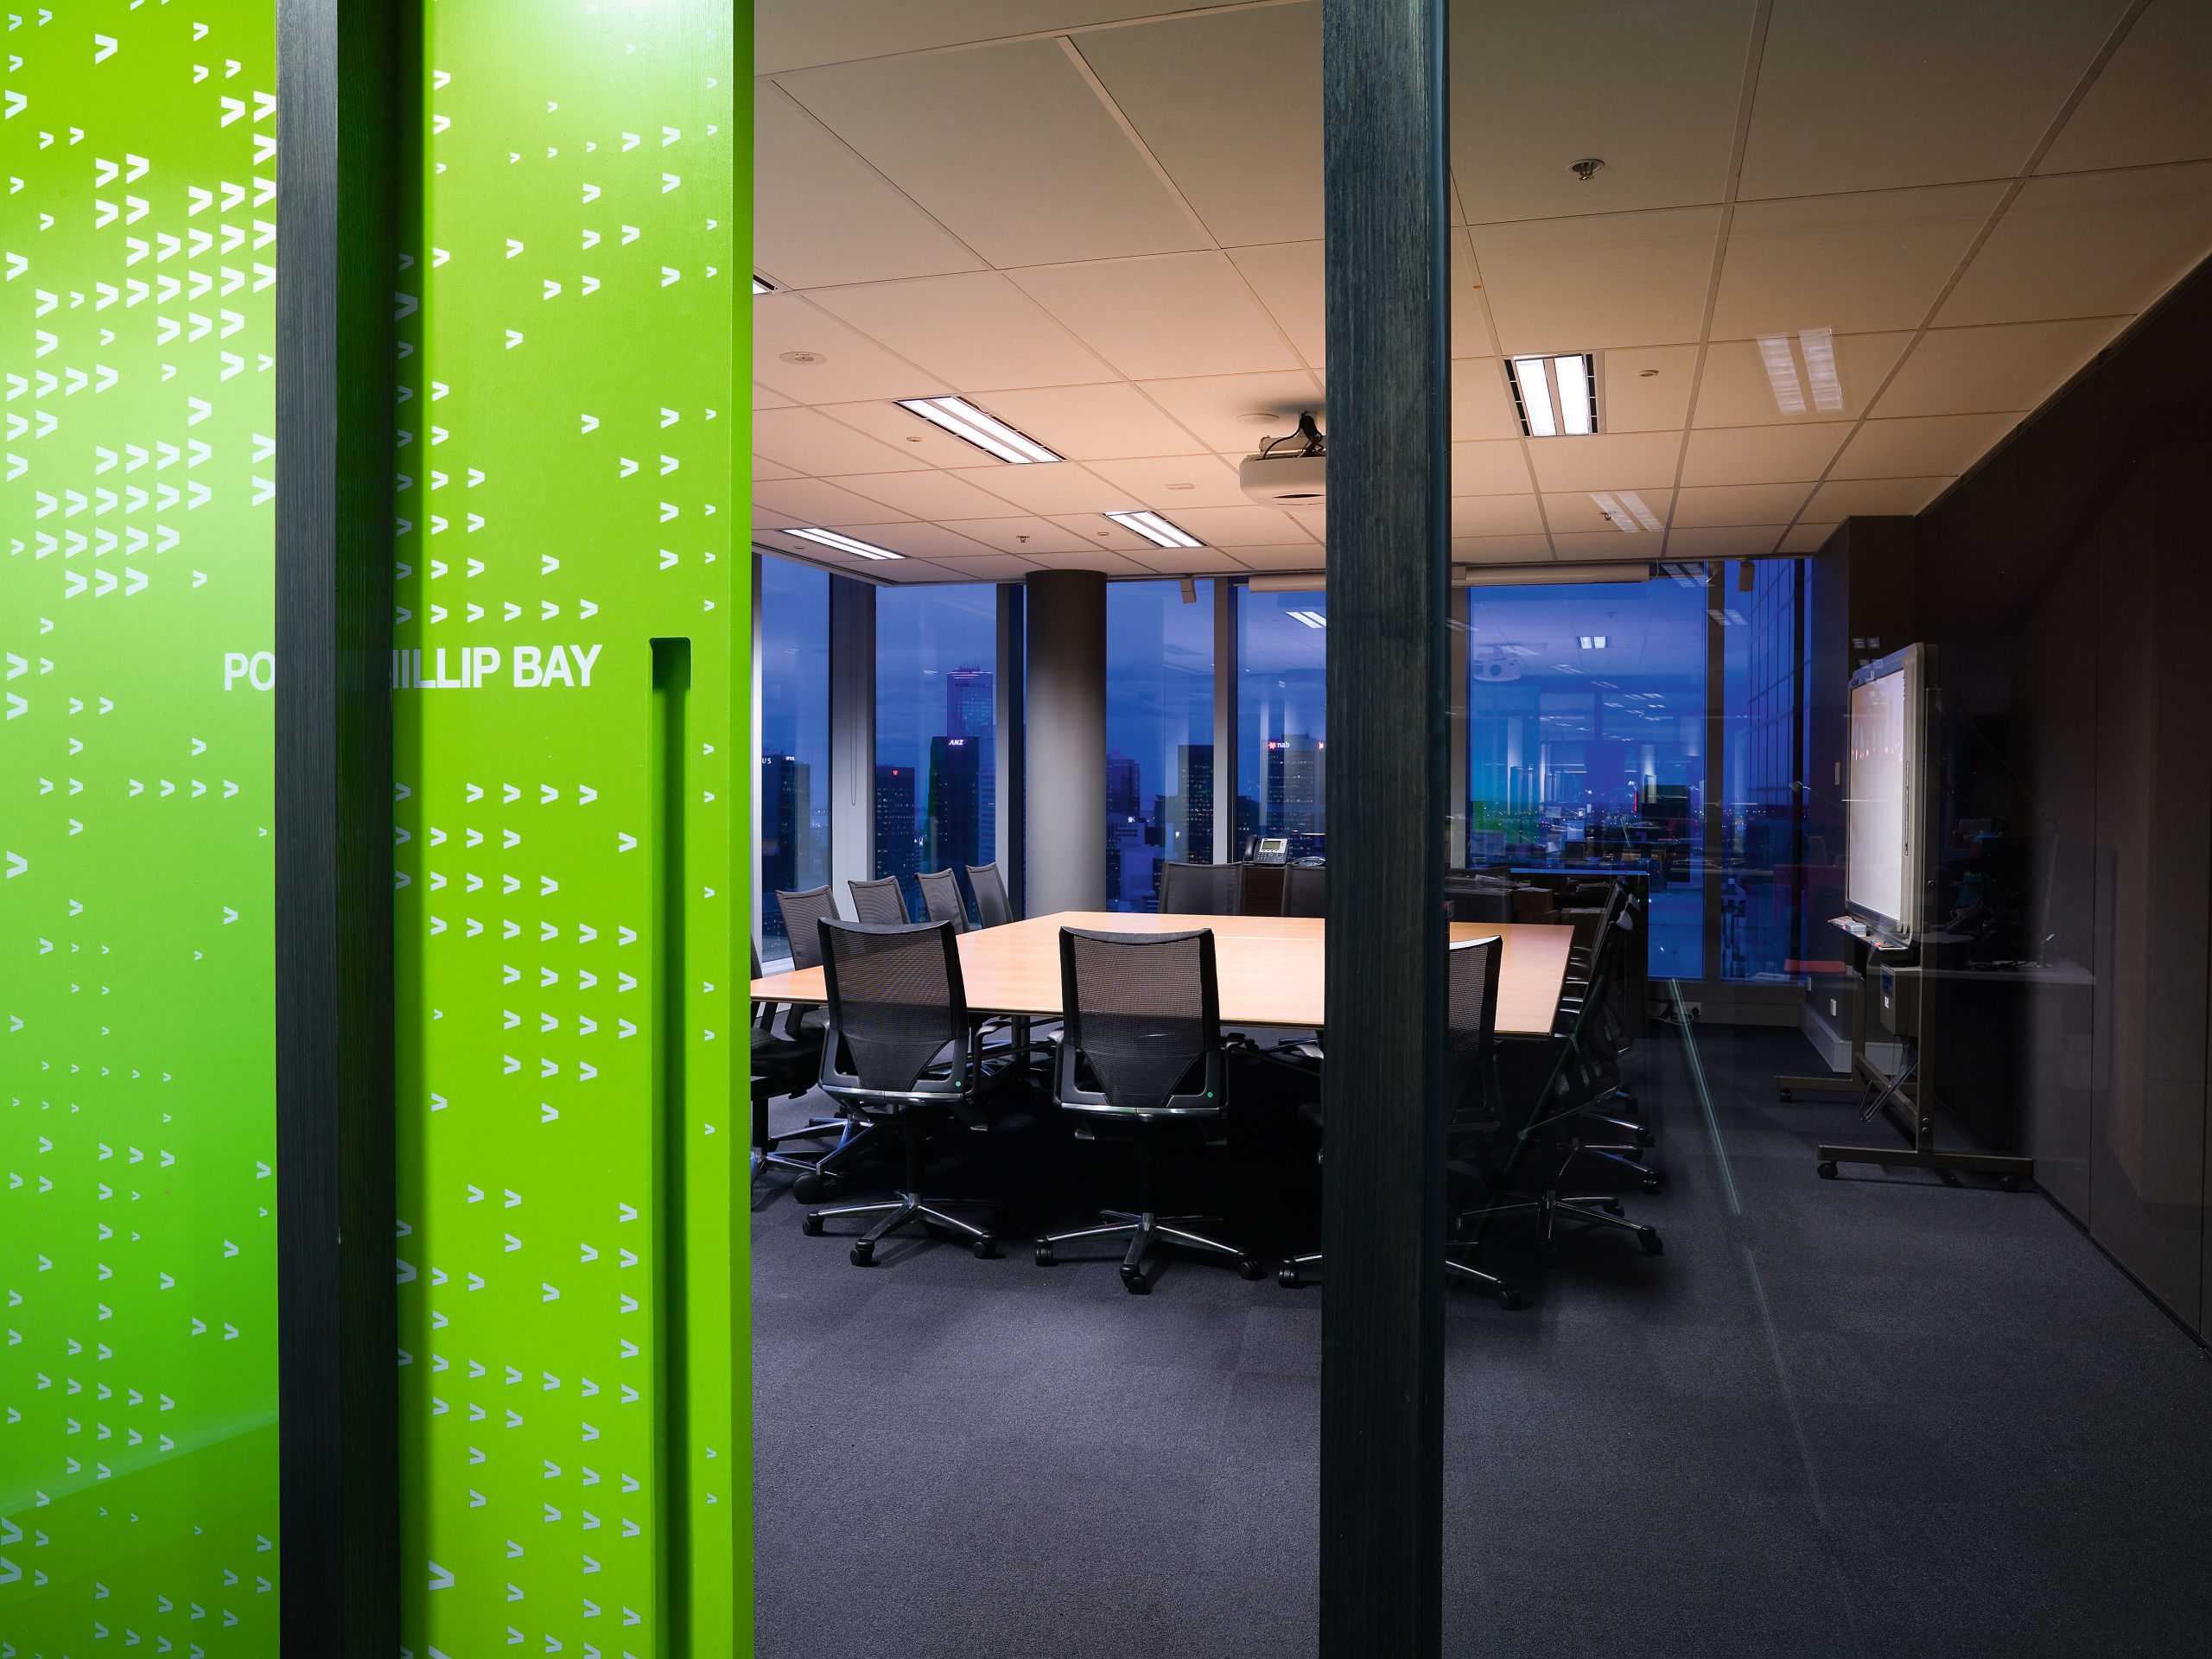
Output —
(138, 1377)
(576, 1464)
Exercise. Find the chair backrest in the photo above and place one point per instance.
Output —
(896, 1003)
(1145, 1010)
(1200, 889)
(941, 898)
(801, 911)
(1470, 1012)
(1534, 905)
(993, 909)
(1305, 890)
(879, 903)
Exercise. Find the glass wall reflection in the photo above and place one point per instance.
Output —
(1282, 720)
(1160, 751)
(794, 712)
(936, 732)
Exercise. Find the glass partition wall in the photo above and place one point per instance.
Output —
(936, 732)
(793, 706)
(1282, 720)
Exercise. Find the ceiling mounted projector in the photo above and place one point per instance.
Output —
(1281, 476)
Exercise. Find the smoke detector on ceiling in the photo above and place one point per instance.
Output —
(1291, 471)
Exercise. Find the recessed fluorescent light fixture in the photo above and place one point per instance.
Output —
(987, 432)
(762, 285)
(1556, 396)
(1628, 511)
(1155, 529)
(846, 544)
(1593, 642)
(1818, 346)
(1781, 373)
(1311, 619)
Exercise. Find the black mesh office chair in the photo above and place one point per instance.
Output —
(1143, 1019)
(823, 1176)
(877, 903)
(900, 1054)
(785, 1062)
(941, 898)
(993, 909)
(1305, 890)
(1200, 889)
(1473, 1097)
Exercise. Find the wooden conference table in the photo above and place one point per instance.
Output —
(1269, 967)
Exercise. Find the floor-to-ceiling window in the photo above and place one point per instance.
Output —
(1768, 877)
(936, 732)
(1282, 719)
(1586, 740)
(794, 714)
(1159, 762)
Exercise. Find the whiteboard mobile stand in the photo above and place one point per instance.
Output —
(1892, 803)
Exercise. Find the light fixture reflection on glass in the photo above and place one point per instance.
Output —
(987, 432)
(1155, 529)
(1573, 375)
(1311, 619)
(1535, 397)
(1818, 345)
(846, 544)
(1781, 373)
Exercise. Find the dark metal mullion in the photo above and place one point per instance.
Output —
(1386, 278)
(338, 89)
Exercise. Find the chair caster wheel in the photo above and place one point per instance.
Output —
(1649, 1237)
(1788, 1095)
(1288, 1276)
(1045, 1257)
(985, 1248)
(810, 1189)
(863, 1254)
(812, 1226)
(1135, 1283)
(1511, 1300)
(1247, 1268)
(1827, 1169)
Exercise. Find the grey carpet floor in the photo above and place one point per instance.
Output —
(1870, 1417)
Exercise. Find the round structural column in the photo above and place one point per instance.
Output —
(1064, 848)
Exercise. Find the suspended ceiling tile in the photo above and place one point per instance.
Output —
(2149, 105)
(1733, 542)
(2005, 366)
(815, 553)
(1500, 550)
(765, 469)
(769, 518)
(1737, 504)
(1094, 423)
(1283, 556)
(1570, 513)
(769, 398)
(1230, 106)
(1881, 94)
(1286, 276)
(1496, 468)
(1172, 483)
(846, 365)
(911, 435)
(1605, 544)
(1586, 284)
(993, 568)
(1196, 561)
(1006, 146)
(1763, 454)
(821, 214)
(1495, 515)
(1063, 488)
(1806, 537)
(1859, 264)
(1649, 89)
(1931, 446)
(928, 494)
(1214, 406)
(1643, 388)
(795, 33)
(1739, 389)
(1173, 316)
(1095, 529)
(1027, 537)
(914, 539)
(1096, 558)
(1607, 461)
(809, 441)
(1846, 497)
(810, 501)
(1482, 408)
(1248, 525)
(2088, 245)
(977, 333)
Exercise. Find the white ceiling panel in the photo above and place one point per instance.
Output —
(769, 518)
(769, 398)
(1025, 536)
(1737, 504)
(1287, 278)
(1214, 406)
(1731, 542)
(916, 539)
(930, 494)
(1604, 280)
(795, 34)
(1097, 558)
(1805, 536)
(1762, 455)
(2088, 245)
(848, 365)
(996, 567)
(1281, 556)
(1923, 446)
(1576, 513)
(1170, 483)
(2149, 105)
(1064, 488)
(1610, 460)
(1482, 408)
(818, 447)
(1195, 561)
(1739, 389)
(764, 468)
(1844, 497)
(1094, 531)
(2006, 366)
(1604, 544)
(1009, 148)
(1880, 94)
(1500, 550)
(810, 501)
(1857, 265)
(910, 435)
(1491, 468)
(1245, 526)
(823, 215)
(1094, 422)
(1230, 106)
(1647, 388)
(1651, 91)
(1495, 515)
(976, 333)
(1173, 315)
